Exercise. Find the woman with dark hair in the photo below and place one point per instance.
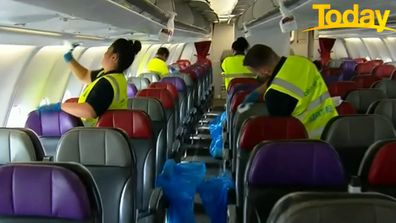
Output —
(105, 88)
(233, 65)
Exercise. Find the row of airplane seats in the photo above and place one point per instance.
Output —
(142, 138)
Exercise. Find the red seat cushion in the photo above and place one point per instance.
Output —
(238, 99)
(263, 128)
(383, 167)
(168, 86)
(364, 68)
(365, 81)
(384, 71)
(360, 60)
(346, 108)
(136, 124)
(163, 95)
(375, 62)
(342, 88)
(242, 80)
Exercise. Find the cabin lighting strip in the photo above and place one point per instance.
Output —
(28, 31)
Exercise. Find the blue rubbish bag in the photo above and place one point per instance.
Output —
(179, 182)
(214, 196)
(216, 130)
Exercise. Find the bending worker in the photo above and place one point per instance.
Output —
(105, 88)
(158, 63)
(292, 86)
(233, 65)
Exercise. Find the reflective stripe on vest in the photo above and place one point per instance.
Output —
(300, 79)
(120, 98)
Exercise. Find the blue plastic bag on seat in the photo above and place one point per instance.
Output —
(216, 130)
(179, 182)
(214, 196)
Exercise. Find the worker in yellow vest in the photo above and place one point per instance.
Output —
(233, 65)
(158, 63)
(292, 86)
(105, 88)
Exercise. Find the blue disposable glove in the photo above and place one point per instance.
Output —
(50, 108)
(68, 56)
(252, 98)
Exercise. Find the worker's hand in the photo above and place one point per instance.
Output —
(50, 108)
(68, 56)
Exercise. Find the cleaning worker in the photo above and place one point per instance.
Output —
(105, 88)
(233, 65)
(292, 86)
(158, 63)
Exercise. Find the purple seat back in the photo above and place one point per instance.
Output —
(295, 163)
(176, 81)
(51, 124)
(46, 191)
(348, 70)
(131, 90)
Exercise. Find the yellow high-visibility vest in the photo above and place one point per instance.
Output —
(299, 78)
(120, 98)
(158, 66)
(233, 65)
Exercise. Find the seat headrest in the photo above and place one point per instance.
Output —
(383, 164)
(162, 95)
(151, 106)
(95, 146)
(342, 88)
(131, 90)
(257, 109)
(43, 191)
(376, 62)
(360, 60)
(19, 145)
(262, 128)
(384, 71)
(177, 82)
(238, 99)
(72, 100)
(387, 86)
(136, 124)
(241, 87)
(242, 80)
(357, 130)
(185, 77)
(295, 163)
(139, 82)
(346, 108)
(365, 81)
(153, 77)
(328, 207)
(362, 99)
(51, 124)
(364, 68)
(168, 86)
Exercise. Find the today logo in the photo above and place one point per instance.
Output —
(332, 19)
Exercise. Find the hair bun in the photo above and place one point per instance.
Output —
(136, 46)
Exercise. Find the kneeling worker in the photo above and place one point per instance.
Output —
(158, 63)
(292, 86)
(105, 88)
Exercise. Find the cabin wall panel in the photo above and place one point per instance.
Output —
(12, 63)
(222, 39)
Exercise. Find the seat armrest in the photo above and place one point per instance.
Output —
(157, 200)
(232, 214)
